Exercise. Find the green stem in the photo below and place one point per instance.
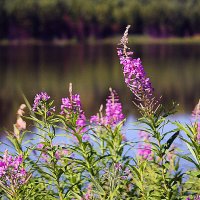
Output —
(143, 190)
(158, 138)
(87, 161)
(57, 182)
(54, 164)
(59, 190)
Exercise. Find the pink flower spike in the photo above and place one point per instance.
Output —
(135, 77)
(145, 151)
(113, 112)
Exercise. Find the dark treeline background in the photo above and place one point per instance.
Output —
(82, 19)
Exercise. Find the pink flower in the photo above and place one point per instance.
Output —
(118, 166)
(11, 169)
(81, 121)
(72, 106)
(40, 145)
(113, 111)
(145, 151)
(39, 100)
(94, 119)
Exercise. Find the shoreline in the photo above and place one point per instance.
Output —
(133, 39)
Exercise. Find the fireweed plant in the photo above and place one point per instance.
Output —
(65, 156)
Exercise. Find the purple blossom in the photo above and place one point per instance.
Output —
(118, 166)
(98, 120)
(113, 112)
(113, 109)
(135, 77)
(72, 104)
(23, 172)
(40, 146)
(65, 104)
(12, 172)
(94, 119)
(17, 161)
(81, 121)
(41, 103)
(44, 155)
(39, 99)
(145, 151)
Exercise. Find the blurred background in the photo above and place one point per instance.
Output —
(82, 19)
(46, 44)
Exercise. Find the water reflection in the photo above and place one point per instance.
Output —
(173, 69)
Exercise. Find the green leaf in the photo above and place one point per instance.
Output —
(190, 160)
(98, 186)
(171, 140)
(76, 195)
(192, 152)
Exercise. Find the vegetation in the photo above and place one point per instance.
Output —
(70, 158)
(80, 19)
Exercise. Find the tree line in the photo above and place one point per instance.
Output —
(81, 19)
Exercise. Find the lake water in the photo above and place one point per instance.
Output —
(173, 69)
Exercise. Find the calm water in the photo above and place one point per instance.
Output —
(173, 69)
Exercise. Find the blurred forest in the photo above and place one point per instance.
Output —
(82, 19)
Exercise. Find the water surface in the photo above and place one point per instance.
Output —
(174, 71)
